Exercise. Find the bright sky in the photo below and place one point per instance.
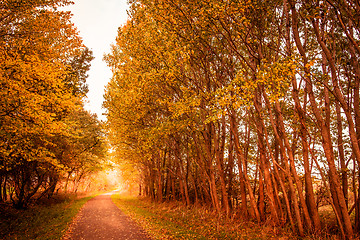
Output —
(98, 21)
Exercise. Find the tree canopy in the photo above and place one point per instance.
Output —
(44, 130)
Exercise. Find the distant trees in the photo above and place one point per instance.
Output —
(250, 107)
(45, 134)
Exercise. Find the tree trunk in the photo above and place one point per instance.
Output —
(242, 165)
(219, 156)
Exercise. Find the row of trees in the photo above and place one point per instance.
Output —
(249, 107)
(46, 137)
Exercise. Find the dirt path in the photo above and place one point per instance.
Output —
(101, 219)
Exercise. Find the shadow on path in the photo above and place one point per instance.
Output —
(101, 219)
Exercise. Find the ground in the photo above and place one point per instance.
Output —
(101, 219)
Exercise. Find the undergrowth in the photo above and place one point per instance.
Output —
(176, 221)
(48, 220)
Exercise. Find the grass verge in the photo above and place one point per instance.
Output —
(175, 221)
(45, 221)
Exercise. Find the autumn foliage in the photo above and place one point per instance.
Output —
(249, 107)
(46, 136)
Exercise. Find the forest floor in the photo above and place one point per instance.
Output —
(133, 218)
(173, 220)
(101, 219)
(42, 221)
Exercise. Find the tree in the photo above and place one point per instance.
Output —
(42, 76)
(236, 105)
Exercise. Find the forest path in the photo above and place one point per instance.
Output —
(100, 218)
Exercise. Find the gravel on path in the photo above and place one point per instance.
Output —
(100, 218)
